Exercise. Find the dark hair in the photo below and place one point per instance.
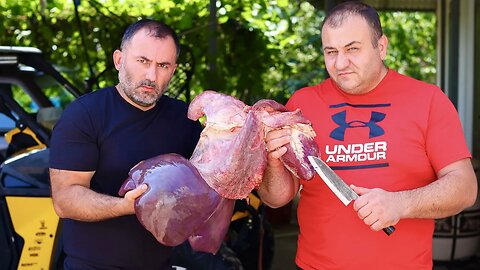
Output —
(340, 12)
(155, 28)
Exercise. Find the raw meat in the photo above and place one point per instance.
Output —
(230, 158)
(209, 236)
(231, 154)
(193, 199)
(178, 203)
(302, 144)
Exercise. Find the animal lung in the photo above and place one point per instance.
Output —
(193, 199)
(231, 154)
(301, 146)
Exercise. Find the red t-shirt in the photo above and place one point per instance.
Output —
(396, 137)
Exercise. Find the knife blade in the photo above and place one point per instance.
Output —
(337, 185)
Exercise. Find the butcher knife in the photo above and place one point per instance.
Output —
(337, 185)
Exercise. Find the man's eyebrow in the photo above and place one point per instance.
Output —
(149, 60)
(143, 57)
(328, 48)
(165, 63)
(347, 45)
(352, 43)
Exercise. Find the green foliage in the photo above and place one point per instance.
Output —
(265, 48)
(412, 43)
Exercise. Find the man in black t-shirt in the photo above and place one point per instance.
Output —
(103, 134)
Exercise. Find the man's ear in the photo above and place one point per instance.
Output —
(117, 59)
(382, 46)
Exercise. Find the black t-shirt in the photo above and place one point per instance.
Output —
(102, 132)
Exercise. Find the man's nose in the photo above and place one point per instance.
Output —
(342, 61)
(151, 73)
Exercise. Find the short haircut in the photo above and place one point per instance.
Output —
(155, 29)
(338, 14)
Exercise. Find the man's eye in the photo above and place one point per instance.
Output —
(353, 49)
(162, 65)
(331, 52)
(142, 61)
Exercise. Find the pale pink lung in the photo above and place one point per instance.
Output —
(193, 199)
(231, 154)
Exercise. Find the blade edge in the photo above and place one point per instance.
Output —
(346, 201)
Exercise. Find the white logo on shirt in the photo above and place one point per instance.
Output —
(356, 152)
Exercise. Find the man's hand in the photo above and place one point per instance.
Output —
(454, 190)
(376, 207)
(132, 195)
(278, 186)
(275, 143)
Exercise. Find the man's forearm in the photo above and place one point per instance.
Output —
(449, 195)
(81, 203)
(278, 187)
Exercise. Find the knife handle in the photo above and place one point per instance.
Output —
(389, 230)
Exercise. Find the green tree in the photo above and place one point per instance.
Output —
(265, 48)
(412, 49)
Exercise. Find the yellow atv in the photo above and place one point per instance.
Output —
(32, 96)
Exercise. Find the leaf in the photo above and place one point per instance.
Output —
(282, 3)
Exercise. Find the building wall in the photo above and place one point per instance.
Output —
(476, 84)
(457, 43)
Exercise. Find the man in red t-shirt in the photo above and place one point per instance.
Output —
(397, 141)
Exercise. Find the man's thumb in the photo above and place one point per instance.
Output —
(135, 193)
(359, 190)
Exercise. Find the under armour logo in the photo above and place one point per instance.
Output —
(340, 119)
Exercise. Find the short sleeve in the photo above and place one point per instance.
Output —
(445, 142)
(73, 145)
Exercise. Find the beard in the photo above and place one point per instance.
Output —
(134, 91)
